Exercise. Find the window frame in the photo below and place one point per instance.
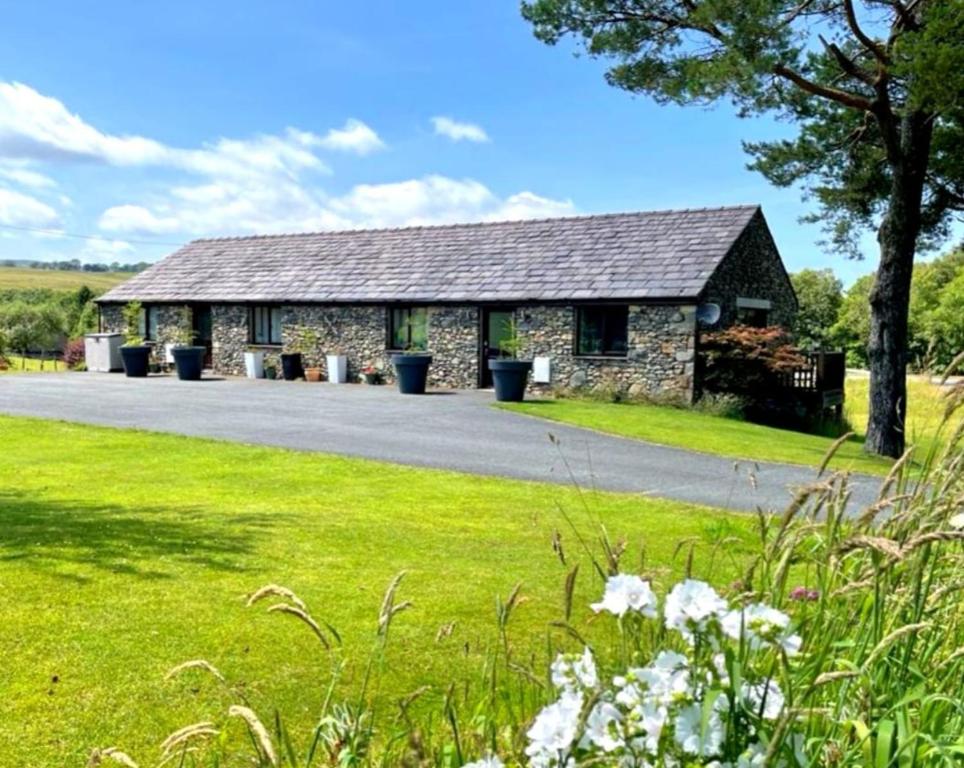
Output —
(577, 335)
(271, 341)
(759, 307)
(148, 322)
(390, 328)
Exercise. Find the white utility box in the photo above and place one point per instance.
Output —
(541, 370)
(102, 352)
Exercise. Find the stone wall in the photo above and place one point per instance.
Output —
(168, 321)
(753, 270)
(659, 360)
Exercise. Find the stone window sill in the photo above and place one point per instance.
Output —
(600, 357)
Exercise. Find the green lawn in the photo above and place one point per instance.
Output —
(30, 365)
(123, 553)
(59, 279)
(740, 439)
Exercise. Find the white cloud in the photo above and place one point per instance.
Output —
(20, 210)
(440, 200)
(19, 174)
(106, 251)
(459, 131)
(34, 127)
(136, 218)
(355, 137)
(260, 184)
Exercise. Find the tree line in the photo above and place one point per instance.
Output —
(42, 320)
(833, 318)
(76, 265)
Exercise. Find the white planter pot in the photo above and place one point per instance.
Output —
(337, 368)
(254, 365)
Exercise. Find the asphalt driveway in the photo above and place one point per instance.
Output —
(451, 430)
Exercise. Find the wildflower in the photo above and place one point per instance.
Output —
(801, 594)
(695, 737)
(667, 678)
(625, 592)
(957, 521)
(602, 727)
(692, 606)
(761, 625)
(764, 699)
(571, 672)
(554, 730)
(754, 756)
(489, 761)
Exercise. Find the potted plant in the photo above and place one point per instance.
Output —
(254, 363)
(306, 344)
(371, 375)
(135, 354)
(292, 358)
(510, 374)
(188, 358)
(337, 363)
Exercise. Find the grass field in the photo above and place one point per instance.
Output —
(740, 439)
(59, 280)
(30, 365)
(123, 553)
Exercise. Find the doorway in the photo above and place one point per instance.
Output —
(496, 330)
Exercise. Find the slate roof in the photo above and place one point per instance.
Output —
(647, 255)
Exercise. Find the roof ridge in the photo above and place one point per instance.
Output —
(476, 224)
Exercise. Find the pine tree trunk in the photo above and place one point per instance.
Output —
(890, 296)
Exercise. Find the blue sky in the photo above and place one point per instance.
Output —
(153, 123)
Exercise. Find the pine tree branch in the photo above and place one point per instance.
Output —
(869, 43)
(847, 64)
(848, 99)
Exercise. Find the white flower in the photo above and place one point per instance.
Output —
(489, 761)
(691, 606)
(762, 625)
(651, 718)
(602, 727)
(764, 699)
(957, 521)
(570, 672)
(690, 734)
(625, 592)
(752, 757)
(554, 730)
(667, 679)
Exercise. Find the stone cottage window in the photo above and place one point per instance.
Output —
(602, 330)
(753, 312)
(408, 328)
(264, 325)
(147, 323)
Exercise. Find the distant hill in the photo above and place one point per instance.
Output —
(59, 279)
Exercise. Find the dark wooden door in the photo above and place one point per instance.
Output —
(203, 331)
(496, 329)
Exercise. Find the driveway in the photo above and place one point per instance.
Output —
(448, 429)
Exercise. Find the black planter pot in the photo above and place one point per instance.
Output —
(189, 362)
(291, 366)
(412, 373)
(510, 377)
(136, 360)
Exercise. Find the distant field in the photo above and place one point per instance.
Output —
(59, 280)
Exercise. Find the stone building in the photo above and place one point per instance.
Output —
(609, 299)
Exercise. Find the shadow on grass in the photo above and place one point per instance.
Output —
(51, 534)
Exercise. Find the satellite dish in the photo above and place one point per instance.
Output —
(708, 314)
